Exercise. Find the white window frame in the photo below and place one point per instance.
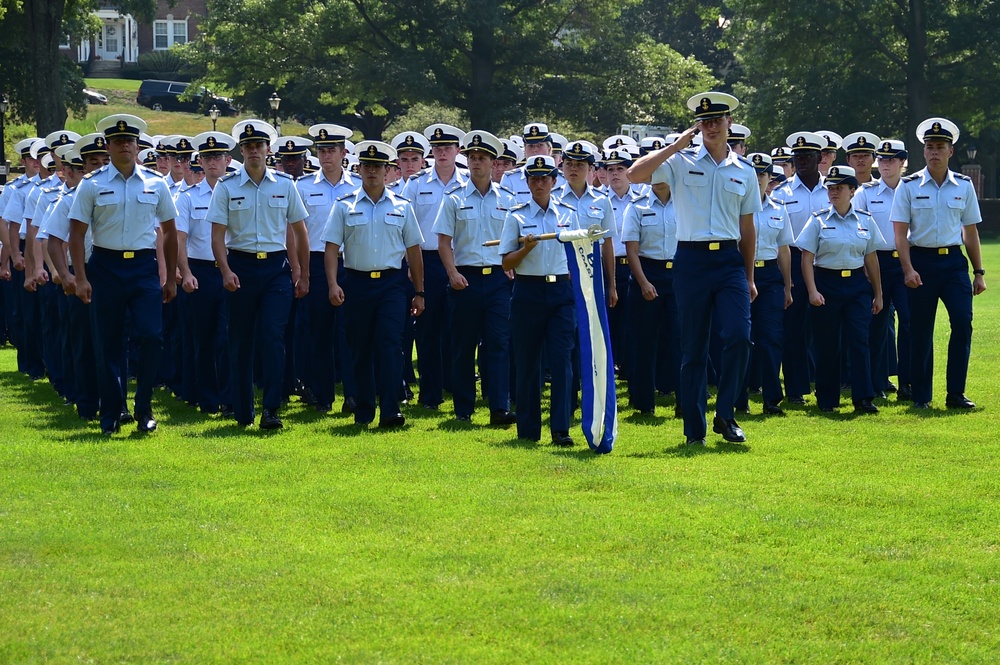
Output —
(171, 27)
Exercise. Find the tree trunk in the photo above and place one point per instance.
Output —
(45, 19)
(482, 102)
(918, 104)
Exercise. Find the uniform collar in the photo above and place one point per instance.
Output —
(795, 182)
(345, 177)
(851, 214)
(564, 190)
(268, 175)
(536, 209)
(432, 175)
(113, 172)
(925, 177)
(469, 188)
(731, 157)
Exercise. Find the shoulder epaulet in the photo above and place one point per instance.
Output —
(823, 211)
(862, 211)
(744, 160)
(871, 183)
(519, 206)
(454, 189)
(346, 196)
(150, 171)
(185, 188)
(507, 189)
(689, 149)
(911, 177)
(284, 175)
(89, 175)
(228, 176)
(962, 176)
(49, 190)
(642, 197)
(565, 205)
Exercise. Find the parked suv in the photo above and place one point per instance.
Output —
(166, 96)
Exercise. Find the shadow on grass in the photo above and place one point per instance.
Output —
(418, 412)
(685, 450)
(516, 442)
(636, 418)
(457, 426)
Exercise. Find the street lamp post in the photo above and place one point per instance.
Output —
(275, 102)
(4, 167)
(970, 152)
(213, 113)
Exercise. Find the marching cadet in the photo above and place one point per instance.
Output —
(537, 142)
(738, 135)
(713, 191)
(254, 213)
(479, 290)
(838, 248)
(592, 207)
(617, 160)
(935, 211)
(782, 158)
(179, 163)
(162, 155)
(376, 228)
(512, 154)
(12, 256)
(773, 277)
(650, 236)
(205, 310)
(317, 318)
(832, 144)
(425, 193)
(292, 152)
(542, 306)
(122, 204)
(93, 155)
(876, 197)
(860, 148)
(803, 194)
(558, 144)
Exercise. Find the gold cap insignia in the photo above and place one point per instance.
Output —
(705, 103)
(476, 140)
(756, 159)
(63, 139)
(801, 141)
(834, 172)
(438, 133)
(409, 139)
(372, 151)
(533, 131)
(211, 141)
(323, 133)
(861, 140)
(936, 127)
(619, 142)
(289, 145)
(248, 130)
(657, 145)
(99, 142)
(122, 125)
(539, 163)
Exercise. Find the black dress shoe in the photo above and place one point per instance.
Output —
(921, 405)
(145, 422)
(645, 412)
(959, 401)
(796, 399)
(865, 406)
(269, 420)
(890, 387)
(126, 418)
(391, 422)
(349, 405)
(826, 409)
(696, 442)
(324, 407)
(729, 430)
(307, 397)
(464, 419)
(227, 411)
(562, 439)
(904, 393)
(881, 394)
(772, 409)
(500, 417)
(429, 407)
(114, 429)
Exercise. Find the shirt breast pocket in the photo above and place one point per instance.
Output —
(236, 205)
(393, 219)
(594, 216)
(649, 220)
(776, 222)
(426, 199)
(108, 199)
(318, 201)
(356, 219)
(465, 214)
(147, 198)
(793, 207)
(956, 204)
(878, 206)
(923, 203)
(828, 234)
(498, 215)
(735, 187)
(692, 179)
(199, 213)
(864, 234)
(275, 202)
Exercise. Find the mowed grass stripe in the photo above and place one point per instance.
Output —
(825, 539)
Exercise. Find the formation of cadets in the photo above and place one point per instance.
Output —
(313, 263)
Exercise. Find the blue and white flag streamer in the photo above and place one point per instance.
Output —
(599, 404)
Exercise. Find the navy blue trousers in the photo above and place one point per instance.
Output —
(84, 353)
(481, 311)
(945, 277)
(374, 315)
(543, 316)
(620, 323)
(795, 360)
(207, 319)
(263, 303)
(123, 286)
(767, 322)
(847, 314)
(432, 334)
(655, 323)
(49, 296)
(895, 297)
(711, 286)
(316, 328)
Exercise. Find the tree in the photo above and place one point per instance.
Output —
(882, 66)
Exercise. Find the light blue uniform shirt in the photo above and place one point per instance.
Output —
(14, 211)
(516, 181)
(653, 225)
(618, 205)
(710, 197)
(935, 214)
(45, 189)
(876, 197)
(319, 194)
(8, 191)
(256, 217)
(773, 229)
(46, 203)
(800, 202)
(175, 186)
(549, 256)
(593, 208)
(123, 214)
(192, 218)
(839, 243)
(57, 224)
(426, 192)
(470, 219)
(373, 234)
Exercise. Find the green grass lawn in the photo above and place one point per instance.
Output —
(825, 539)
(105, 85)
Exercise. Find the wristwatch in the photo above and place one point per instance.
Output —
(419, 293)
(979, 272)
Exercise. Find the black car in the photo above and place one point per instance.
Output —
(166, 96)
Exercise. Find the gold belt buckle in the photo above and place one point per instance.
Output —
(128, 255)
(376, 274)
(942, 250)
(261, 255)
(758, 264)
(712, 246)
(623, 262)
(845, 273)
(670, 265)
(895, 254)
(487, 271)
(550, 279)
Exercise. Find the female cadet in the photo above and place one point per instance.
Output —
(542, 306)
(838, 247)
(773, 276)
